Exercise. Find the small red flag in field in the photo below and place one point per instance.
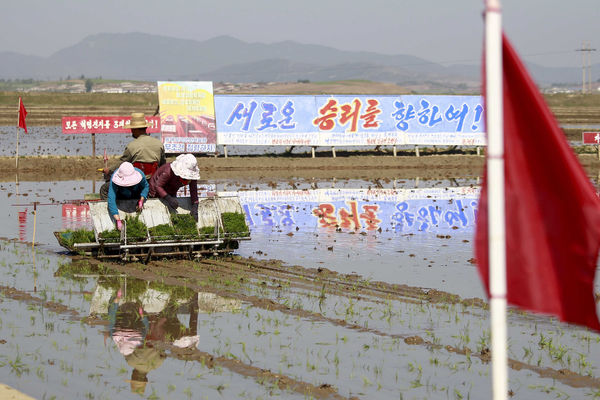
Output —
(552, 210)
(22, 115)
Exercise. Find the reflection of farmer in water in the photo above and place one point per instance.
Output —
(134, 333)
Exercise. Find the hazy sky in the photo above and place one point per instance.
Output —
(546, 32)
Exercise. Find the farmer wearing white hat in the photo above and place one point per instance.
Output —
(167, 180)
(127, 182)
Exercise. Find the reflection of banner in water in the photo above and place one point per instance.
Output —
(204, 190)
(22, 218)
(187, 117)
(75, 216)
(343, 120)
(402, 211)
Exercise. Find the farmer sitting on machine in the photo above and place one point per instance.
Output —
(144, 152)
(167, 180)
(127, 182)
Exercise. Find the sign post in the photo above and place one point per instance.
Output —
(592, 138)
(187, 113)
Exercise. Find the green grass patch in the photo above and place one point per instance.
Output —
(235, 224)
(45, 99)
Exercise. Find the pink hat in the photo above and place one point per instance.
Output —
(126, 175)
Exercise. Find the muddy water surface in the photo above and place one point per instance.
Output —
(394, 235)
(371, 302)
(49, 140)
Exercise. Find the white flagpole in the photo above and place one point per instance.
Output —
(18, 119)
(495, 177)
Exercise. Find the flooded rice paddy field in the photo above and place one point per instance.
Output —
(49, 140)
(347, 289)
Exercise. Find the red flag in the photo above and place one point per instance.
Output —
(22, 115)
(552, 210)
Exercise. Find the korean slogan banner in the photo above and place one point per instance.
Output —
(104, 124)
(346, 120)
(187, 117)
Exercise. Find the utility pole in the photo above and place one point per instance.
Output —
(586, 62)
(590, 66)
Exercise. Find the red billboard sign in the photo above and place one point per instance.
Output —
(591, 138)
(104, 124)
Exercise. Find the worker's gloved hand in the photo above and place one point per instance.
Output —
(140, 204)
(107, 174)
(172, 201)
(119, 225)
(195, 211)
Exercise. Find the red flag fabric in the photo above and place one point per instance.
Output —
(22, 115)
(552, 210)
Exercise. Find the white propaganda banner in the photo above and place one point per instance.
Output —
(344, 120)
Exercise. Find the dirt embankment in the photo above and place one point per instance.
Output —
(342, 167)
(366, 167)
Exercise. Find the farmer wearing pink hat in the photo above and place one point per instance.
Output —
(167, 180)
(144, 152)
(127, 182)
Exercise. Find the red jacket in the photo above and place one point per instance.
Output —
(165, 182)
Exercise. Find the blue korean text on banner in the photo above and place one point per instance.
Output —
(349, 120)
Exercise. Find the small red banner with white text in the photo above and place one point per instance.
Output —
(104, 124)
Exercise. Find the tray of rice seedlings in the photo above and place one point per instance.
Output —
(162, 232)
(184, 226)
(234, 224)
(112, 236)
(136, 231)
(68, 238)
(208, 232)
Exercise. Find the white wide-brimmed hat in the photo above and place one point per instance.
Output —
(185, 166)
(126, 175)
(138, 120)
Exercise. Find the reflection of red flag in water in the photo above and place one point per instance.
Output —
(22, 115)
(552, 211)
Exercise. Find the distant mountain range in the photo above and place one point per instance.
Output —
(142, 56)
